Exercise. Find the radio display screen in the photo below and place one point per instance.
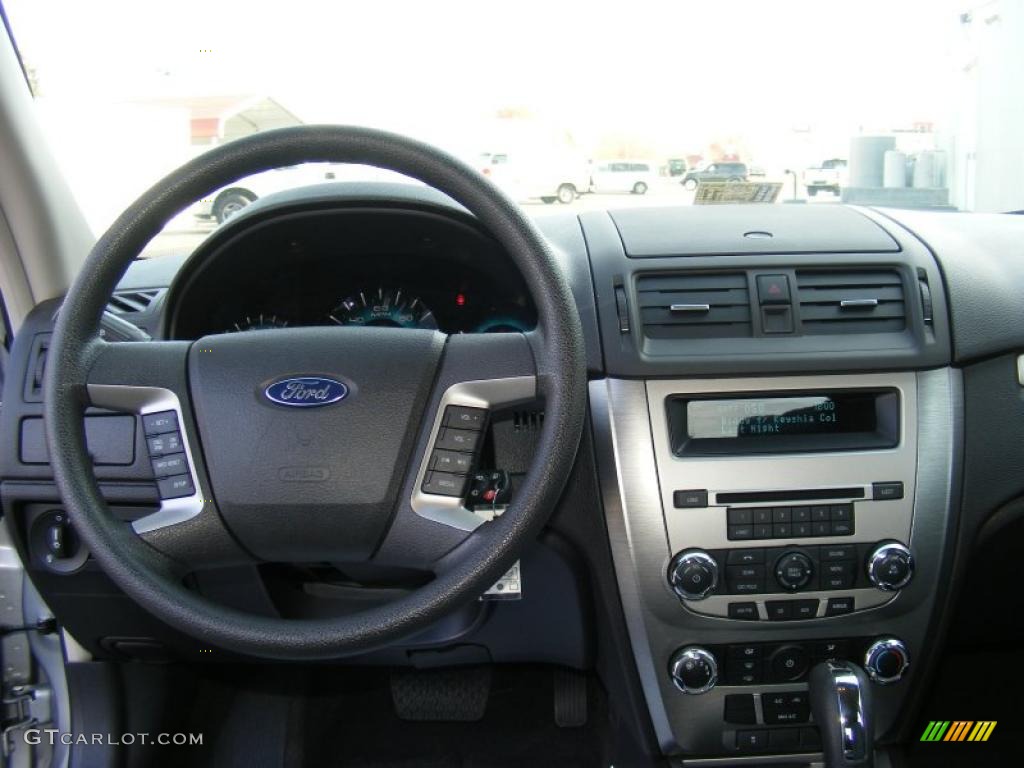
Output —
(813, 421)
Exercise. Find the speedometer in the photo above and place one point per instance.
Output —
(385, 307)
(259, 323)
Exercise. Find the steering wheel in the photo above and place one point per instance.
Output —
(348, 477)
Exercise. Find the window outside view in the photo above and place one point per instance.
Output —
(911, 104)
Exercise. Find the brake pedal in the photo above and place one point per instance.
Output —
(570, 688)
(454, 695)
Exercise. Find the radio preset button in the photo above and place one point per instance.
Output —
(740, 516)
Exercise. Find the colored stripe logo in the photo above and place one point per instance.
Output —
(958, 730)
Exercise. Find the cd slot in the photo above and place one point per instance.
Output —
(800, 494)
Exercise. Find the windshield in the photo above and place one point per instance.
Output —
(913, 103)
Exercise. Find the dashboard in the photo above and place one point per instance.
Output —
(406, 269)
(794, 438)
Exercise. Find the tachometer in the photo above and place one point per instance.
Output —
(384, 307)
(259, 323)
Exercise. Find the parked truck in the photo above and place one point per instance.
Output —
(830, 176)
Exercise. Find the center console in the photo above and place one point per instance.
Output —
(778, 443)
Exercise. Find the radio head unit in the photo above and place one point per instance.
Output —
(783, 422)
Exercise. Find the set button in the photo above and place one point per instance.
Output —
(166, 452)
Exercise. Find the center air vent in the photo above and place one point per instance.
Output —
(129, 302)
(851, 301)
(695, 305)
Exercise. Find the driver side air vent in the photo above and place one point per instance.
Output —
(695, 305)
(129, 302)
(851, 301)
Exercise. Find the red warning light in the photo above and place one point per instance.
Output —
(460, 299)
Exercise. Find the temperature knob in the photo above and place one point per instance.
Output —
(886, 660)
(890, 566)
(693, 670)
(693, 574)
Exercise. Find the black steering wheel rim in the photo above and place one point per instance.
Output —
(141, 571)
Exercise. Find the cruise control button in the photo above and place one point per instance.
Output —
(465, 418)
(444, 484)
(158, 423)
(175, 487)
(457, 440)
(452, 461)
(174, 464)
(167, 443)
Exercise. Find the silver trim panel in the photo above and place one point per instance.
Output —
(140, 401)
(637, 495)
(484, 393)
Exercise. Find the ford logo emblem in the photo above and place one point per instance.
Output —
(306, 391)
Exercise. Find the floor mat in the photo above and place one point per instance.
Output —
(350, 722)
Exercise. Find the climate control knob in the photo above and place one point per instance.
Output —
(693, 574)
(886, 660)
(693, 670)
(793, 571)
(890, 566)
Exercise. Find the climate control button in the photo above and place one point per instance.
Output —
(794, 571)
(693, 670)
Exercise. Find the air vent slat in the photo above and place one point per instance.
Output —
(723, 314)
(851, 301)
(833, 311)
(835, 295)
(130, 302)
(708, 305)
(716, 298)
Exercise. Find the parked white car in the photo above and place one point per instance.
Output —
(226, 202)
(622, 176)
(536, 178)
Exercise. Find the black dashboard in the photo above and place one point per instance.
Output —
(738, 305)
(353, 266)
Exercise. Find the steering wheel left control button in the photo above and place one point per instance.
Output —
(452, 439)
(174, 464)
(464, 417)
(444, 484)
(176, 486)
(159, 423)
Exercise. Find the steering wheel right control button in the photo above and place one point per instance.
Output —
(693, 670)
(890, 566)
(693, 574)
(455, 449)
(886, 660)
(794, 571)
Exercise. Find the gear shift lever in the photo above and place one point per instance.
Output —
(841, 704)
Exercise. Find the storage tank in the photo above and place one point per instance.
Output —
(867, 159)
(894, 173)
(929, 169)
